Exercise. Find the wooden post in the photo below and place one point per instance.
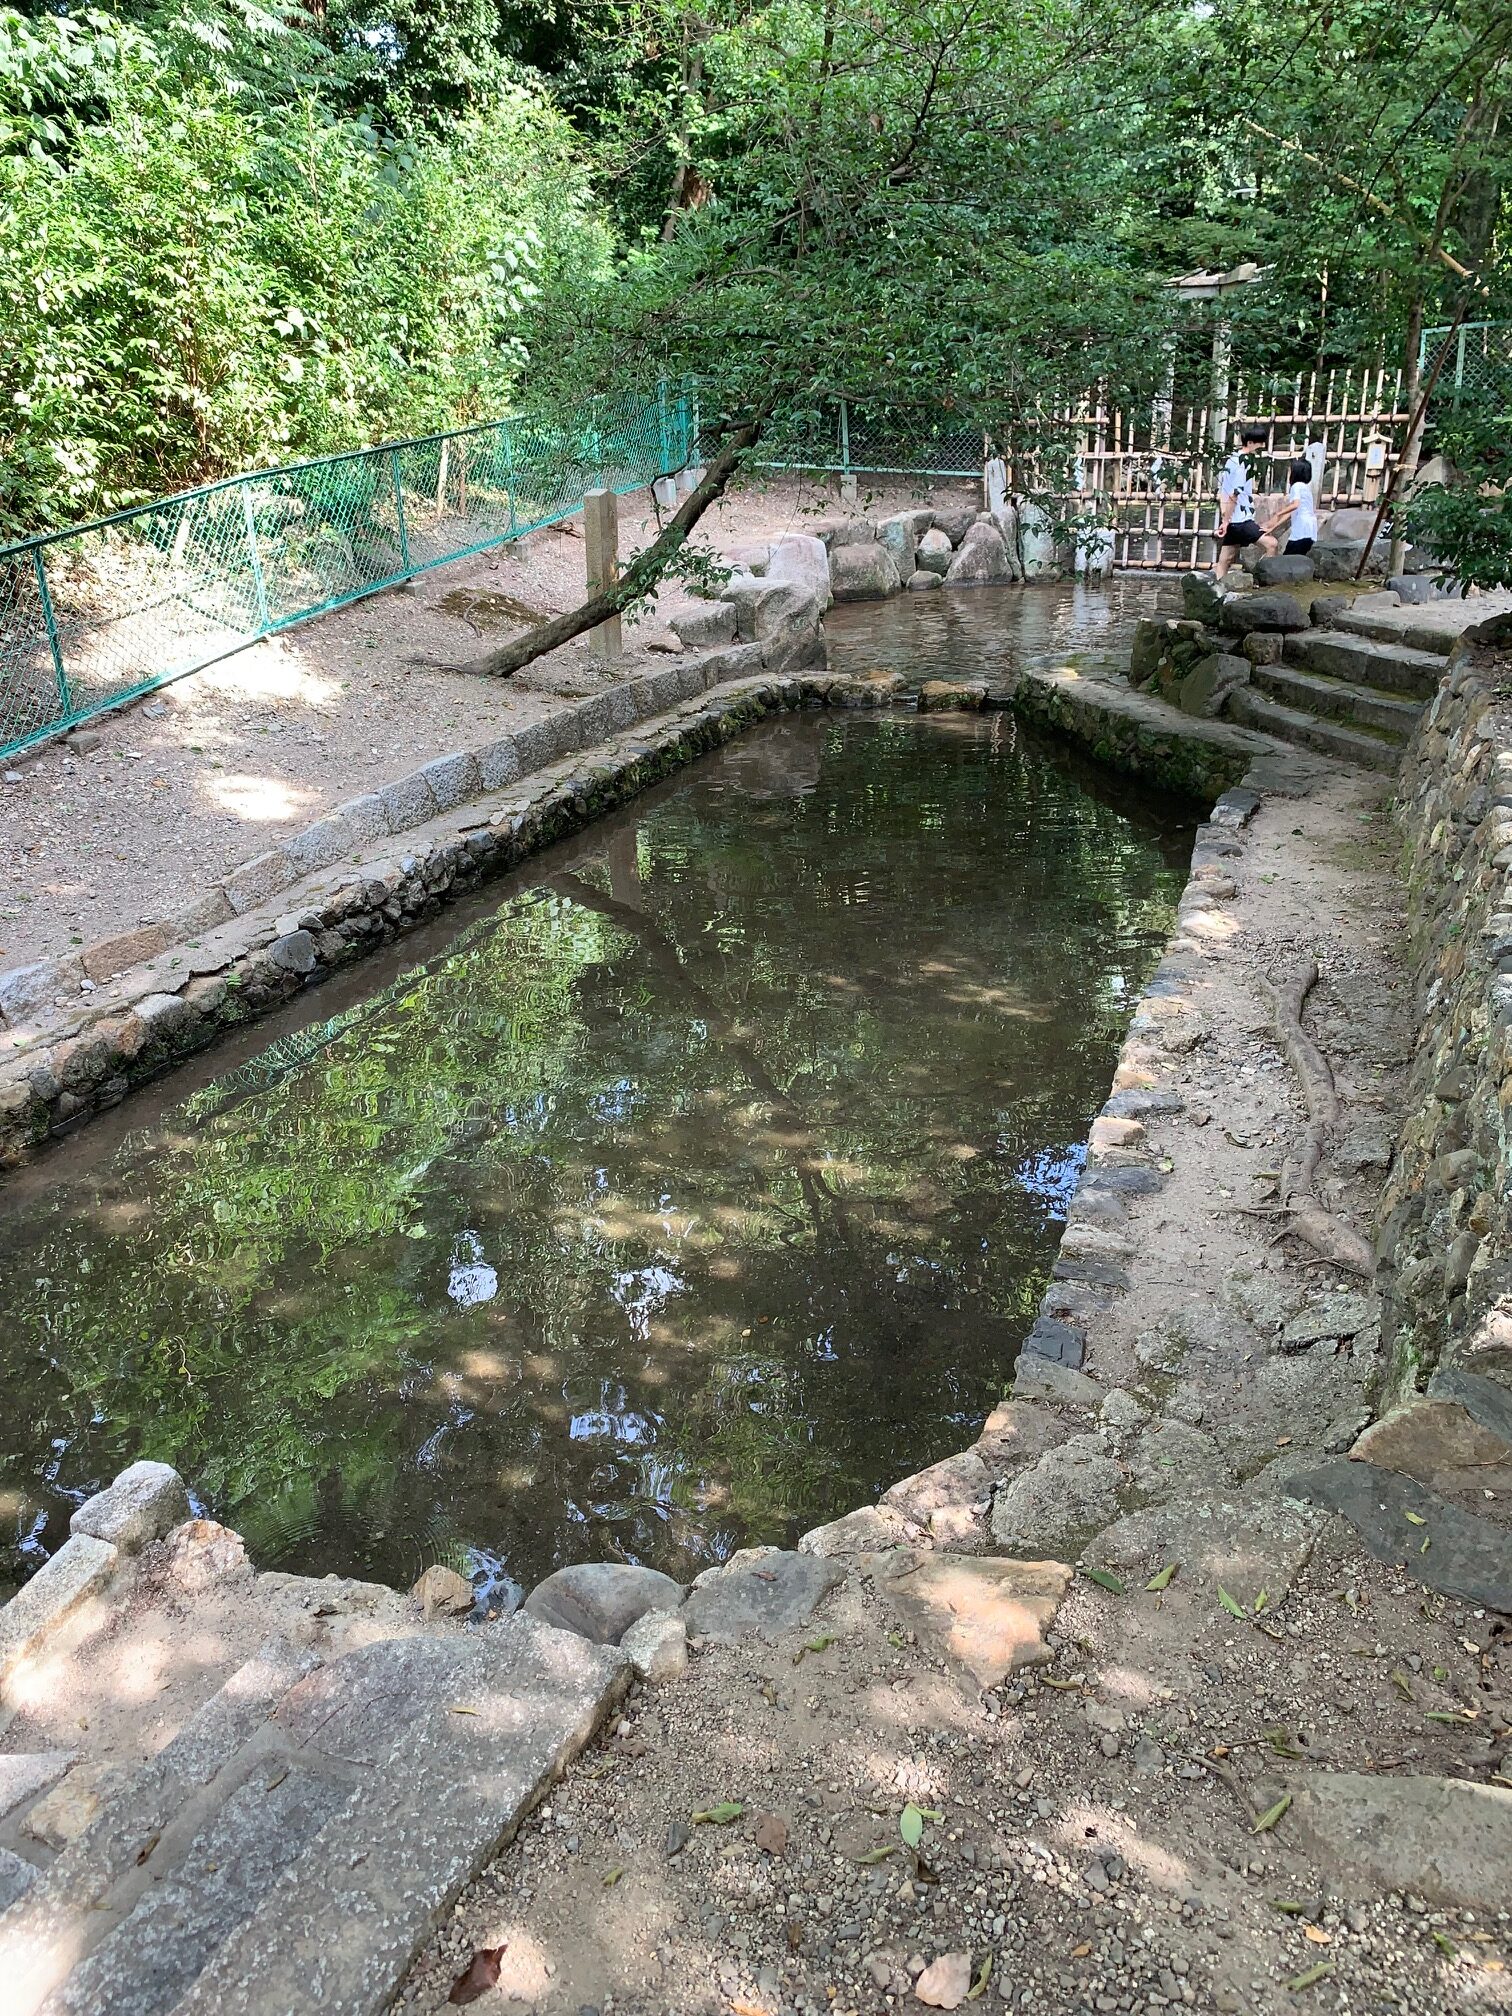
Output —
(601, 538)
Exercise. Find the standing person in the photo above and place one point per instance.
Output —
(1237, 528)
(1300, 511)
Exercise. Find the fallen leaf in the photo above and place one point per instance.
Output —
(770, 1833)
(1261, 1600)
(983, 1976)
(945, 1982)
(1309, 1975)
(720, 1815)
(1415, 1518)
(1399, 1679)
(1234, 1609)
(1317, 1935)
(455, 1708)
(611, 1877)
(1062, 1686)
(820, 1644)
(1271, 1815)
(1459, 1717)
(1163, 1579)
(1105, 1581)
(874, 1855)
(911, 1825)
(1287, 1906)
(479, 1975)
(1445, 1945)
(1081, 1952)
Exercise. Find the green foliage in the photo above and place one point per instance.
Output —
(206, 265)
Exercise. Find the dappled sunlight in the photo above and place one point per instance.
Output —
(1083, 1822)
(259, 800)
(277, 669)
(1131, 1688)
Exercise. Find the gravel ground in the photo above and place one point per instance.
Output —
(184, 786)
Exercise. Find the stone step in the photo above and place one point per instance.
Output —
(1434, 628)
(1370, 751)
(1393, 668)
(1338, 699)
(294, 1845)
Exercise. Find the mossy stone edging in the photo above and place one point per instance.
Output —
(1137, 736)
(1444, 1238)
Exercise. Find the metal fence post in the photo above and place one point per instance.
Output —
(845, 468)
(404, 552)
(506, 428)
(666, 433)
(260, 586)
(44, 593)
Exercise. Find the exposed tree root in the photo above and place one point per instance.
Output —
(1334, 1242)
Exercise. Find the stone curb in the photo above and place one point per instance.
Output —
(81, 1569)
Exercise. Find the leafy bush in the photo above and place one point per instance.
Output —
(206, 264)
(1466, 523)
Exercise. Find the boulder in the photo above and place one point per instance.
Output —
(442, 1592)
(1415, 588)
(954, 520)
(758, 1592)
(800, 558)
(601, 1599)
(863, 573)
(146, 1501)
(1352, 523)
(900, 535)
(1280, 570)
(1055, 1508)
(1004, 520)
(933, 551)
(1242, 613)
(771, 608)
(1209, 683)
(1339, 559)
(981, 558)
(1263, 647)
(658, 1647)
(955, 1481)
(870, 1529)
(1243, 1547)
(947, 696)
(921, 581)
(1445, 1840)
(833, 532)
(1201, 599)
(989, 1616)
(1171, 1459)
(1435, 1440)
(713, 623)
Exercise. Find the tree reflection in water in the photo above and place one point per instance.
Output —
(684, 1202)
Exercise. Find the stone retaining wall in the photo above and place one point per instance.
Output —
(1445, 1241)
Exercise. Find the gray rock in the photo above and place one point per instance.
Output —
(453, 779)
(408, 801)
(442, 1592)
(899, 537)
(26, 1773)
(1209, 683)
(1281, 570)
(601, 1599)
(146, 1501)
(81, 1569)
(318, 846)
(1038, 1378)
(921, 581)
(956, 1481)
(1341, 1314)
(955, 520)
(499, 763)
(870, 1529)
(1148, 1756)
(1443, 1839)
(933, 551)
(657, 1647)
(1055, 1508)
(256, 880)
(26, 992)
(1122, 1411)
(16, 1877)
(1339, 559)
(1242, 613)
(1201, 599)
(1173, 1459)
(800, 558)
(980, 559)
(1244, 1545)
(1467, 1556)
(863, 573)
(758, 1593)
(294, 953)
(713, 623)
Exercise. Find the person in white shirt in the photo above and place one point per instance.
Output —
(1237, 528)
(1299, 513)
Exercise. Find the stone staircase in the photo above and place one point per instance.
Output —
(1354, 689)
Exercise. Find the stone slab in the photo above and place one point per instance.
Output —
(954, 1482)
(759, 1594)
(338, 1929)
(1466, 1557)
(870, 1529)
(16, 1878)
(1444, 1839)
(1059, 1504)
(146, 1501)
(989, 1616)
(24, 1774)
(81, 1569)
(1242, 1545)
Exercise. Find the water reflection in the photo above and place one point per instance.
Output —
(679, 1204)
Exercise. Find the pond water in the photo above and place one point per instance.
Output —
(683, 1194)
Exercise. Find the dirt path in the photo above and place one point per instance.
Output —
(128, 821)
(1094, 1835)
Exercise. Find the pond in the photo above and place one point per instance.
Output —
(683, 1194)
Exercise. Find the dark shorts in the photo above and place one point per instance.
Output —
(1299, 545)
(1243, 532)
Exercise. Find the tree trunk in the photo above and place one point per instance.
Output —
(642, 574)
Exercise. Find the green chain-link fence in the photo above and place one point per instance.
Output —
(847, 439)
(1478, 368)
(95, 616)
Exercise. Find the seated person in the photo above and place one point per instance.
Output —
(1237, 528)
(1299, 513)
